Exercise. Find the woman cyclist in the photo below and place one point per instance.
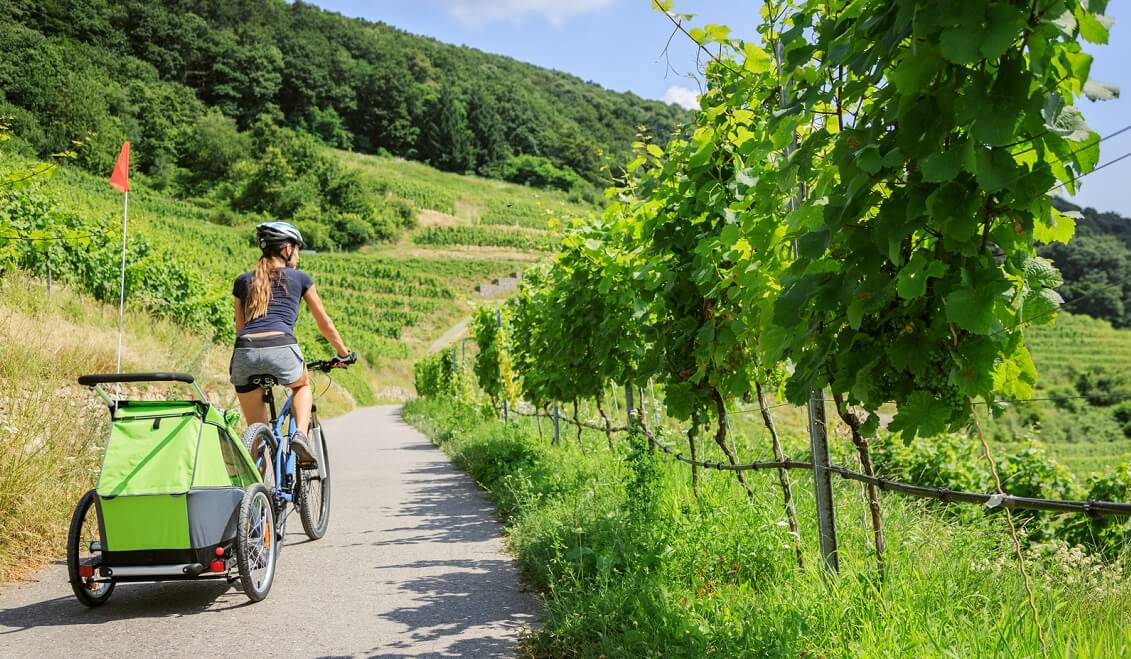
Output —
(266, 303)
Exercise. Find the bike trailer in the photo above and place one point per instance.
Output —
(173, 476)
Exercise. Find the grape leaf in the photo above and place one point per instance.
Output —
(972, 309)
(1093, 27)
(912, 279)
(920, 414)
(995, 169)
(1040, 306)
(1100, 91)
(1004, 23)
(960, 45)
(941, 167)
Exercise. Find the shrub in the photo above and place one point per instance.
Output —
(1103, 386)
(539, 172)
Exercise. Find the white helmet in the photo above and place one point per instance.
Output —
(278, 233)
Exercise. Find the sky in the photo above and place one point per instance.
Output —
(624, 45)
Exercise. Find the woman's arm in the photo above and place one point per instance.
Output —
(240, 322)
(325, 325)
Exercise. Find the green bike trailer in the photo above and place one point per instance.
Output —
(177, 489)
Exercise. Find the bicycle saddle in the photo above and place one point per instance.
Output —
(265, 381)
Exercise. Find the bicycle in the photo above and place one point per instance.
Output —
(308, 490)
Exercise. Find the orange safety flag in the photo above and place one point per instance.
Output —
(120, 179)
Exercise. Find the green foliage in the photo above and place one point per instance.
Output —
(1103, 386)
(41, 239)
(443, 375)
(540, 173)
(869, 234)
(492, 367)
(1097, 277)
(485, 236)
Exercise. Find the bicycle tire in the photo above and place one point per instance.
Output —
(89, 592)
(258, 435)
(315, 518)
(256, 545)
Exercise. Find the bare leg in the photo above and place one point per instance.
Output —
(302, 402)
(253, 407)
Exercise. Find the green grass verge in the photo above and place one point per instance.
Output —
(633, 565)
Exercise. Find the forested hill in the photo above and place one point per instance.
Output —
(1096, 265)
(88, 65)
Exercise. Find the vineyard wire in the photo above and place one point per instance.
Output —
(946, 495)
(1090, 507)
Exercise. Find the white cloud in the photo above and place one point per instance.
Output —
(477, 13)
(682, 96)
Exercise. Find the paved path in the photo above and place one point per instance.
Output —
(412, 566)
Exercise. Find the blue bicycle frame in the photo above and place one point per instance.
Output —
(286, 464)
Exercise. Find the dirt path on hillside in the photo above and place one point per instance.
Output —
(454, 332)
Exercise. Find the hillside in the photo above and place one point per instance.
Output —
(390, 301)
(147, 70)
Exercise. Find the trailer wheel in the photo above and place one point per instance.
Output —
(256, 545)
(84, 547)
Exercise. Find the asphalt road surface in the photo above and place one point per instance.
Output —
(412, 566)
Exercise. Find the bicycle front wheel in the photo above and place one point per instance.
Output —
(314, 486)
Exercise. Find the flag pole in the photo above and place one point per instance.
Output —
(120, 180)
(122, 285)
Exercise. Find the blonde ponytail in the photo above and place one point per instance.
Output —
(259, 290)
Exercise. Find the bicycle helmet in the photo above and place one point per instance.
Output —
(278, 233)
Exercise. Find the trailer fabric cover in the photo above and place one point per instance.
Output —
(152, 450)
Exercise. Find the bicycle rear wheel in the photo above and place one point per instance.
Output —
(314, 486)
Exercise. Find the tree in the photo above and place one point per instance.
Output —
(447, 141)
(1097, 277)
(490, 136)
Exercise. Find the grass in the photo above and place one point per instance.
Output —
(633, 565)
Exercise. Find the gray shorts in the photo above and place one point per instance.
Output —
(283, 362)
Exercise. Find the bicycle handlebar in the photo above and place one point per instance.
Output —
(330, 364)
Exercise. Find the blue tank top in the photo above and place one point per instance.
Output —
(282, 310)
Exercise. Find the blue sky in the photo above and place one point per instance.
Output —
(619, 44)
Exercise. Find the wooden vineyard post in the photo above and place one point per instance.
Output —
(823, 486)
(557, 425)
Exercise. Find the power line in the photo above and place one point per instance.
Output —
(1093, 171)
